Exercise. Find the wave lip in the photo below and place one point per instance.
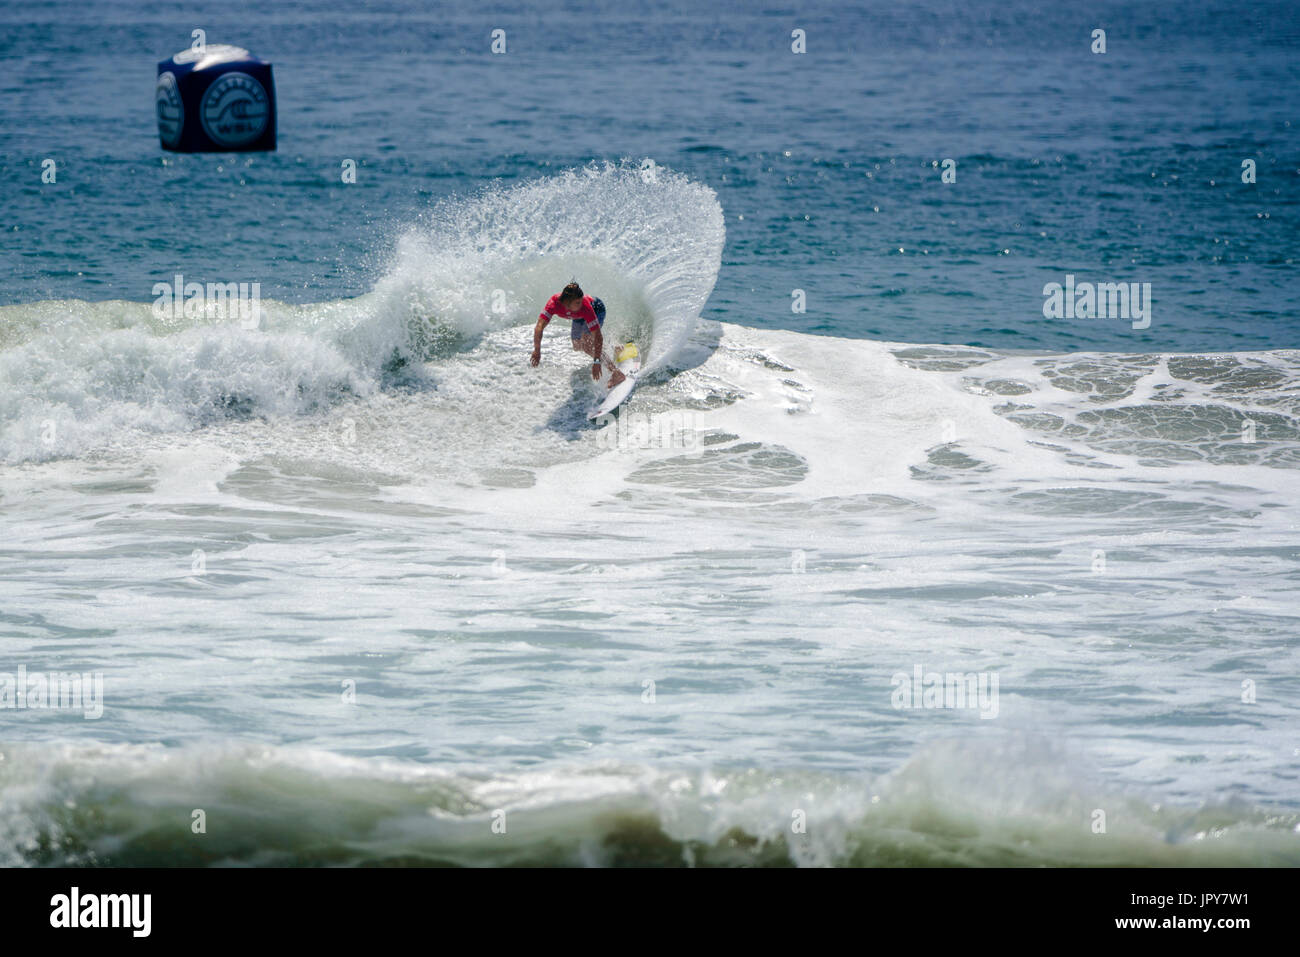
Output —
(132, 805)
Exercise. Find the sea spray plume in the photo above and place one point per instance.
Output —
(89, 374)
(650, 247)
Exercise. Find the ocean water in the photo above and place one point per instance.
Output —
(363, 587)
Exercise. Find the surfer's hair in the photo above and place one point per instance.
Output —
(571, 292)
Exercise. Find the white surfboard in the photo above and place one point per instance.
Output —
(628, 361)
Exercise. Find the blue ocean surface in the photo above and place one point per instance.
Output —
(877, 540)
(1124, 166)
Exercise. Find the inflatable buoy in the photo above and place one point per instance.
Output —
(215, 99)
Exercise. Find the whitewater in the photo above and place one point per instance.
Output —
(360, 580)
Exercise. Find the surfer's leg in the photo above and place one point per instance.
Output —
(583, 341)
(615, 377)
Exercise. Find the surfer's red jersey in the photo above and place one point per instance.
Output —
(585, 312)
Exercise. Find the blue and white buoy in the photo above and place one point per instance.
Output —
(215, 99)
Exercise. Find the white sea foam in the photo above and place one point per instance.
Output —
(232, 525)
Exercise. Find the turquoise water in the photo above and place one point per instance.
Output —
(364, 587)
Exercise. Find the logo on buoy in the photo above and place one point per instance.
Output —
(171, 112)
(211, 53)
(234, 110)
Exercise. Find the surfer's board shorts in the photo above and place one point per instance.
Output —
(579, 327)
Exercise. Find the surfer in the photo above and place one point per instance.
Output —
(588, 315)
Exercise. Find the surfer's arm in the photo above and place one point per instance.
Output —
(548, 313)
(542, 320)
(598, 341)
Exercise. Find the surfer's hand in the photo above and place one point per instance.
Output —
(595, 370)
(536, 357)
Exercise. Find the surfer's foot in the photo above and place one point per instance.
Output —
(615, 378)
